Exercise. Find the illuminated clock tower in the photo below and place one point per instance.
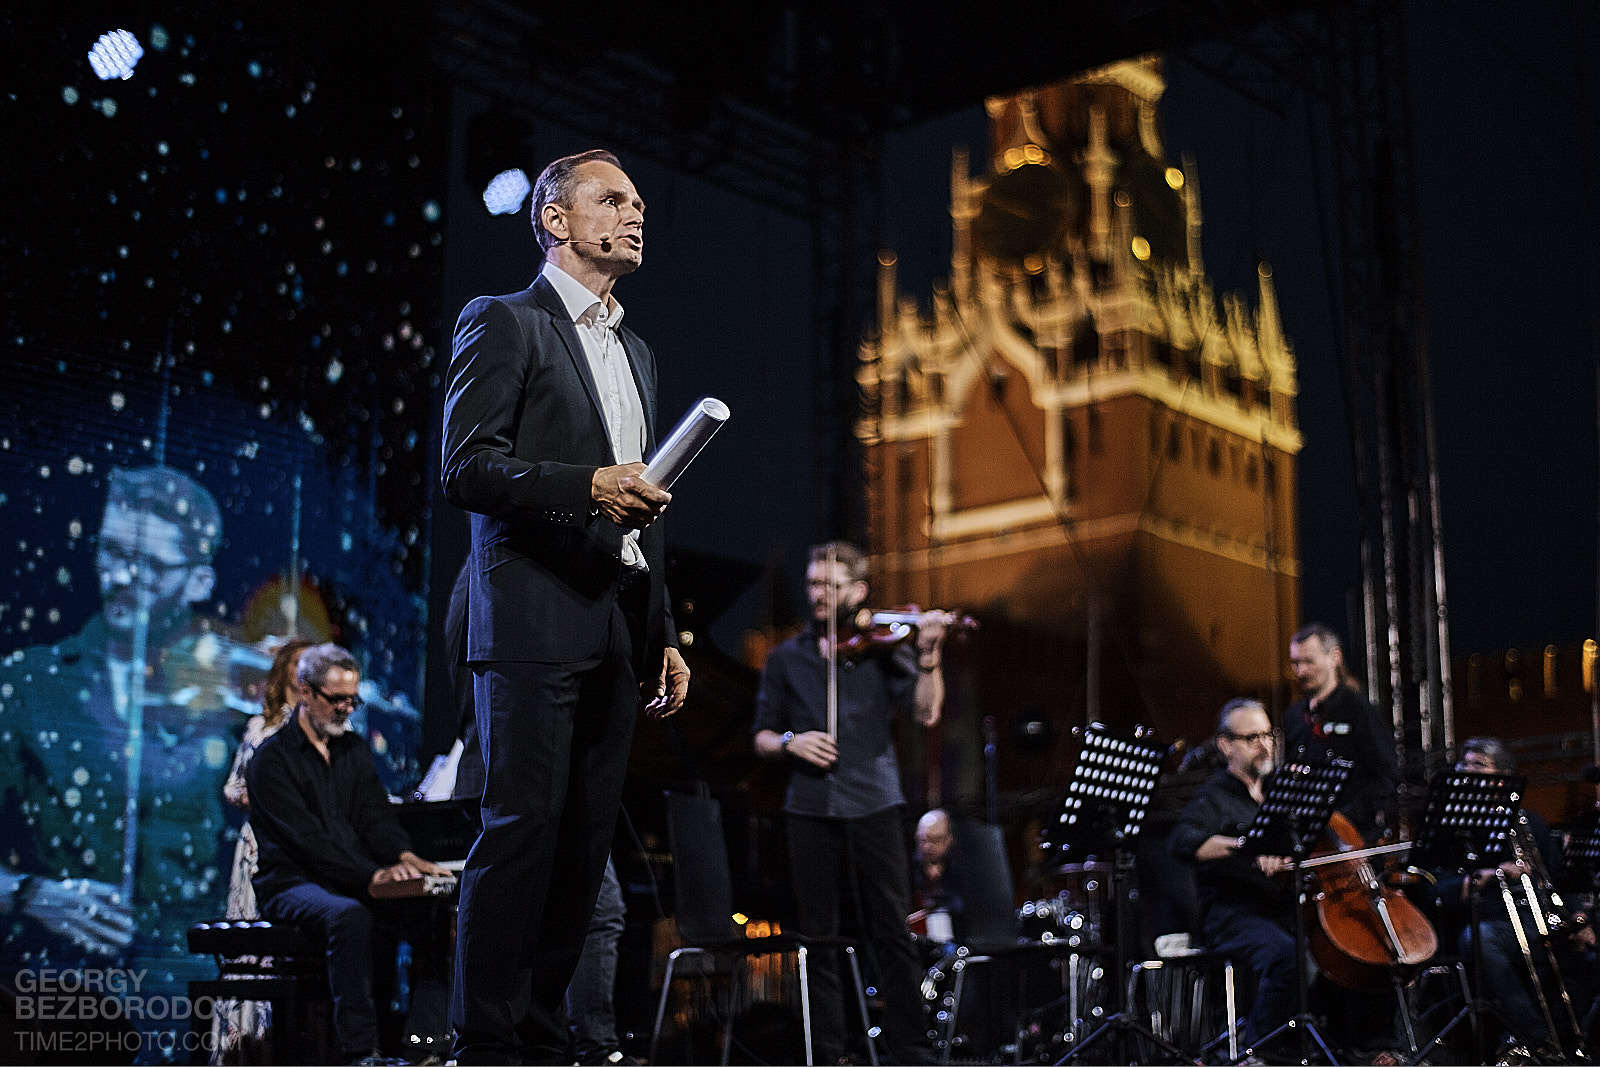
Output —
(1077, 443)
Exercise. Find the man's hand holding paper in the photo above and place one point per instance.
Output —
(622, 495)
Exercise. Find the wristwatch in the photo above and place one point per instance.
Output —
(783, 745)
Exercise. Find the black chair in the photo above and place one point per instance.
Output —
(261, 960)
(1174, 987)
(704, 893)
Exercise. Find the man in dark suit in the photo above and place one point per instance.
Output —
(549, 407)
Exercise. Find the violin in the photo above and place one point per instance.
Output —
(1365, 930)
(882, 630)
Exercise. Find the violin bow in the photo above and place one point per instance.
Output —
(833, 645)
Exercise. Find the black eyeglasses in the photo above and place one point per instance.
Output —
(1250, 739)
(349, 700)
(143, 568)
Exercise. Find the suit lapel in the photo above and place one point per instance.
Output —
(546, 296)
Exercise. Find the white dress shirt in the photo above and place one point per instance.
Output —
(623, 413)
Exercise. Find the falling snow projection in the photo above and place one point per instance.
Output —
(188, 536)
(266, 204)
(227, 291)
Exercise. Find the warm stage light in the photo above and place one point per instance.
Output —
(115, 55)
(506, 191)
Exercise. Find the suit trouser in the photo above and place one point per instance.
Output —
(555, 740)
(873, 849)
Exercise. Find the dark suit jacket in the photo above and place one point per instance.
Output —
(523, 435)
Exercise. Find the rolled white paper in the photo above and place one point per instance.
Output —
(685, 441)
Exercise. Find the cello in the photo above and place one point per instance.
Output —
(1364, 931)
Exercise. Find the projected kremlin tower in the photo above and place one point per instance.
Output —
(1079, 444)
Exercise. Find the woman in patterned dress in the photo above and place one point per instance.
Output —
(239, 1027)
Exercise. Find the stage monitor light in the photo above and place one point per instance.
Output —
(506, 191)
(115, 55)
(497, 143)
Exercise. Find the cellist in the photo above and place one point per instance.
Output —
(1245, 910)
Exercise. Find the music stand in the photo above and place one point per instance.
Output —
(1467, 825)
(1104, 808)
(1581, 858)
(1291, 820)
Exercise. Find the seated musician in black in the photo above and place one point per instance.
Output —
(1507, 979)
(327, 839)
(1245, 912)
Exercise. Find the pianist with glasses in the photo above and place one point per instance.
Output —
(332, 851)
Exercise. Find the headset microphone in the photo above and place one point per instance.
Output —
(604, 242)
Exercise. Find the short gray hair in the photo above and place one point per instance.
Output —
(555, 185)
(1330, 639)
(1236, 704)
(318, 660)
(1494, 750)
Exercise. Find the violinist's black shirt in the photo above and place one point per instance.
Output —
(794, 696)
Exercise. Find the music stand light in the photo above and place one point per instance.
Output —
(1298, 804)
(1582, 859)
(1467, 825)
(1112, 784)
(1111, 788)
(1290, 822)
(1468, 820)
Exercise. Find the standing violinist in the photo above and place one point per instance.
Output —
(1333, 720)
(844, 809)
(1245, 910)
